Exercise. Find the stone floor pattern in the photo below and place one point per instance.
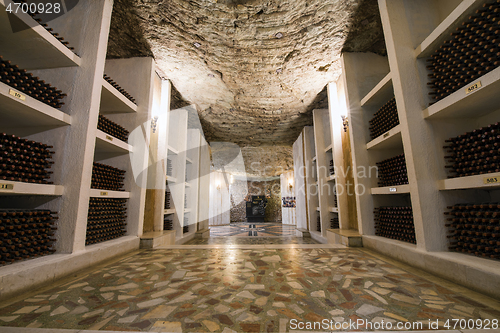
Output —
(243, 290)
(245, 229)
(228, 241)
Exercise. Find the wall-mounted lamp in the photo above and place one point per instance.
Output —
(217, 185)
(231, 179)
(345, 122)
(290, 184)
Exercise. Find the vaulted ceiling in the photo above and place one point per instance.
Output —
(254, 68)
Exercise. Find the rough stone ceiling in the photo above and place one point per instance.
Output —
(254, 68)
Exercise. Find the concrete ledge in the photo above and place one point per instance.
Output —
(302, 233)
(350, 238)
(30, 274)
(475, 273)
(204, 233)
(152, 239)
(184, 239)
(318, 237)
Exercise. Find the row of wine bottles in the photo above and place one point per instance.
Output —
(26, 234)
(167, 200)
(24, 160)
(473, 153)
(106, 220)
(106, 177)
(471, 51)
(168, 224)
(43, 24)
(392, 171)
(332, 168)
(169, 167)
(474, 229)
(395, 223)
(185, 229)
(318, 223)
(120, 89)
(28, 84)
(112, 128)
(334, 223)
(384, 119)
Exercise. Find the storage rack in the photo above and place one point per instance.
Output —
(371, 80)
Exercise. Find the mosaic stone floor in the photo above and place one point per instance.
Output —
(245, 229)
(250, 241)
(242, 290)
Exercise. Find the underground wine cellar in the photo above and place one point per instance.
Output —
(250, 166)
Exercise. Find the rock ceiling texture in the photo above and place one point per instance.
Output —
(255, 69)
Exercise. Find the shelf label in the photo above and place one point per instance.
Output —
(110, 138)
(386, 135)
(6, 186)
(104, 193)
(473, 87)
(17, 95)
(393, 189)
(491, 180)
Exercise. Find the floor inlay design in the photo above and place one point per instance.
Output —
(245, 229)
(243, 290)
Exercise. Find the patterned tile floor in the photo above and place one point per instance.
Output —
(243, 290)
(245, 229)
(251, 241)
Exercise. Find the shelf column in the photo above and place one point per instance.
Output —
(417, 136)
(84, 104)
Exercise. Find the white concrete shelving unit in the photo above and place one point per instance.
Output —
(299, 175)
(421, 136)
(49, 52)
(177, 153)
(192, 166)
(326, 182)
(72, 131)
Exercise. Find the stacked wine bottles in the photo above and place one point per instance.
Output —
(105, 177)
(318, 223)
(185, 229)
(395, 223)
(334, 223)
(120, 89)
(384, 119)
(475, 229)
(112, 128)
(332, 168)
(106, 219)
(392, 172)
(474, 153)
(30, 85)
(335, 200)
(169, 168)
(167, 200)
(168, 223)
(470, 52)
(26, 234)
(40, 21)
(24, 160)
(185, 200)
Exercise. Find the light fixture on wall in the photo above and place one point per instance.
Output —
(217, 185)
(290, 184)
(345, 122)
